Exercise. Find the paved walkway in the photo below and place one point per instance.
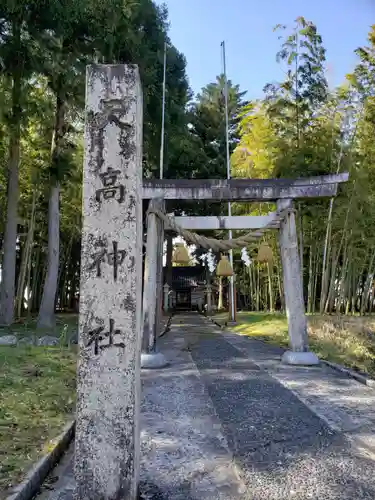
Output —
(227, 421)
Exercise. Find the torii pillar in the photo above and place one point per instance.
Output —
(152, 290)
(299, 353)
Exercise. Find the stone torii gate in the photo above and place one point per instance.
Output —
(107, 444)
(281, 191)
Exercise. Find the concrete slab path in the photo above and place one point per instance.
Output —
(227, 421)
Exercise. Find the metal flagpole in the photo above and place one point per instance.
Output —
(233, 318)
(163, 114)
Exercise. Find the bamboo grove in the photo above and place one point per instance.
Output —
(303, 128)
(300, 128)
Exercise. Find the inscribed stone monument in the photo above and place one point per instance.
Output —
(107, 434)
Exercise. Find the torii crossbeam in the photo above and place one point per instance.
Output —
(243, 189)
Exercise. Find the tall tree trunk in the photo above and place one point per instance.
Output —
(326, 251)
(250, 293)
(353, 298)
(26, 258)
(33, 302)
(28, 283)
(300, 224)
(65, 279)
(344, 283)
(272, 308)
(297, 88)
(343, 239)
(258, 288)
(315, 288)
(326, 259)
(280, 287)
(10, 236)
(19, 299)
(310, 285)
(331, 287)
(349, 290)
(46, 318)
(341, 279)
(63, 271)
(367, 284)
(73, 291)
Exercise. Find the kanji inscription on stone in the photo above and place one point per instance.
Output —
(108, 378)
(115, 259)
(102, 339)
(110, 189)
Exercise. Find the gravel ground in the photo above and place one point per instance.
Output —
(283, 449)
(226, 421)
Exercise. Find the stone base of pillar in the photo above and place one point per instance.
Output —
(300, 358)
(231, 323)
(151, 360)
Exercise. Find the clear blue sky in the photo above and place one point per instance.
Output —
(199, 26)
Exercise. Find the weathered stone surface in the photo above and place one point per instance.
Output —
(306, 358)
(8, 340)
(107, 435)
(152, 280)
(48, 340)
(226, 222)
(150, 360)
(294, 304)
(242, 189)
(159, 280)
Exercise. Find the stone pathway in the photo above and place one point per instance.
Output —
(226, 421)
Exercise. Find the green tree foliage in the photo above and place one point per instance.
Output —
(293, 102)
(44, 47)
(21, 28)
(208, 125)
(301, 128)
(207, 136)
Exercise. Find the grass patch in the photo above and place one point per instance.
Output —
(27, 326)
(349, 341)
(37, 387)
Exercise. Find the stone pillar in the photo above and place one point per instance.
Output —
(108, 378)
(294, 304)
(150, 358)
(166, 297)
(159, 279)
